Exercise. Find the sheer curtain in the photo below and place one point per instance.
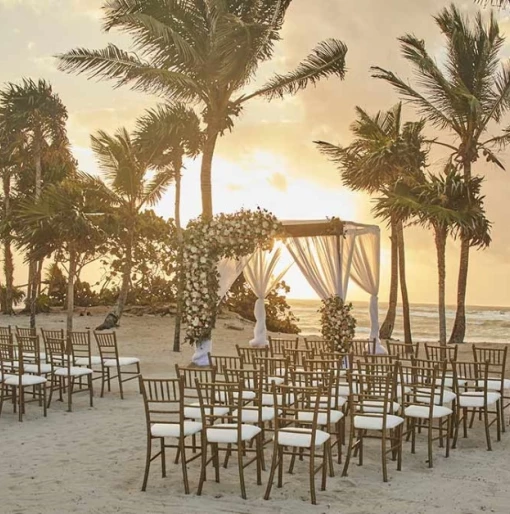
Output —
(325, 262)
(261, 277)
(229, 270)
(365, 271)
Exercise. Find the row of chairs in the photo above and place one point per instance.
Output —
(63, 362)
(239, 400)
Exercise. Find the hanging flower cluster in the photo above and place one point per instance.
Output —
(337, 322)
(207, 242)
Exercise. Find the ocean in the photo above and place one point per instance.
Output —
(484, 324)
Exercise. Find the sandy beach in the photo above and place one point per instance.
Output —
(92, 460)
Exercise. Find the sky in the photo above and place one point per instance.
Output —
(269, 160)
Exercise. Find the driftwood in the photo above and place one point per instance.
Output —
(111, 321)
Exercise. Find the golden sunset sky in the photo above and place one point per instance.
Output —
(270, 159)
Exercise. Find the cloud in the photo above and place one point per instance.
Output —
(278, 181)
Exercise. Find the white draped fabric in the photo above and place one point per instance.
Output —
(261, 277)
(229, 270)
(324, 261)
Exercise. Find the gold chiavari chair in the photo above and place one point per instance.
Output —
(403, 350)
(423, 393)
(6, 331)
(277, 344)
(222, 362)
(370, 405)
(359, 347)
(248, 354)
(470, 381)
(164, 415)
(24, 331)
(110, 359)
(318, 345)
(436, 352)
(297, 357)
(297, 411)
(497, 381)
(222, 431)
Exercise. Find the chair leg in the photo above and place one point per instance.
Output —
(325, 462)
(240, 455)
(163, 457)
(204, 466)
(499, 408)
(21, 403)
(280, 467)
(456, 422)
(312, 476)
(103, 379)
(465, 421)
(429, 443)
(70, 394)
(274, 464)
(182, 448)
(216, 461)
(147, 463)
(384, 460)
(487, 431)
(400, 442)
(349, 452)
(448, 430)
(119, 378)
(42, 394)
(91, 390)
(259, 449)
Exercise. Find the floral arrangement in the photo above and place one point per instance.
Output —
(205, 243)
(337, 322)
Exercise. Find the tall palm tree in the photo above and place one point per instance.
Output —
(60, 222)
(463, 96)
(447, 204)
(383, 151)
(203, 52)
(127, 189)
(34, 110)
(169, 133)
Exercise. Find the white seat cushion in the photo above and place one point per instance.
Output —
(223, 396)
(422, 411)
(3, 377)
(494, 384)
(301, 437)
(33, 368)
(476, 399)
(123, 361)
(448, 396)
(192, 411)
(276, 380)
(376, 422)
(174, 430)
(73, 371)
(322, 417)
(251, 414)
(268, 399)
(343, 389)
(83, 361)
(333, 402)
(227, 433)
(377, 406)
(26, 380)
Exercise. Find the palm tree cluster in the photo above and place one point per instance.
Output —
(460, 99)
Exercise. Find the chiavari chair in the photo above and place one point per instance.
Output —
(164, 415)
(402, 350)
(318, 345)
(110, 359)
(248, 353)
(359, 347)
(298, 356)
(277, 344)
(222, 431)
(297, 411)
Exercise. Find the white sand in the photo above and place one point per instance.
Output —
(92, 460)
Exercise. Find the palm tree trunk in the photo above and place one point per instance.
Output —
(206, 169)
(70, 288)
(389, 322)
(440, 240)
(126, 276)
(403, 284)
(33, 272)
(8, 260)
(459, 325)
(178, 231)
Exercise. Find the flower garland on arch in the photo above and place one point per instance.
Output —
(206, 242)
(337, 323)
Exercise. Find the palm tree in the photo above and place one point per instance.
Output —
(203, 52)
(447, 204)
(35, 111)
(127, 190)
(169, 133)
(466, 94)
(383, 151)
(60, 222)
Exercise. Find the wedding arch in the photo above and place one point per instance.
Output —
(328, 252)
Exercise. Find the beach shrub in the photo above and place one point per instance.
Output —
(337, 323)
(205, 243)
(279, 318)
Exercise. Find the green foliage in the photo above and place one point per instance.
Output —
(57, 285)
(338, 325)
(279, 317)
(17, 297)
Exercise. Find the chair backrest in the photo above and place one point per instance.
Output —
(5, 331)
(54, 334)
(471, 377)
(252, 380)
(107, 345)
(277, 344)
(422, 383)
(9, 356)
(496, 359)
(80, 345)
(437, 352)
(361, 346)
(345, 359)
(57, 352)
(402, 350)
(273, 366)
(30, 349)
(318, 345)
(248, 354)
(298, 356)
(222, 362)
(23, 331)
(189, 376)
(163, 400)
